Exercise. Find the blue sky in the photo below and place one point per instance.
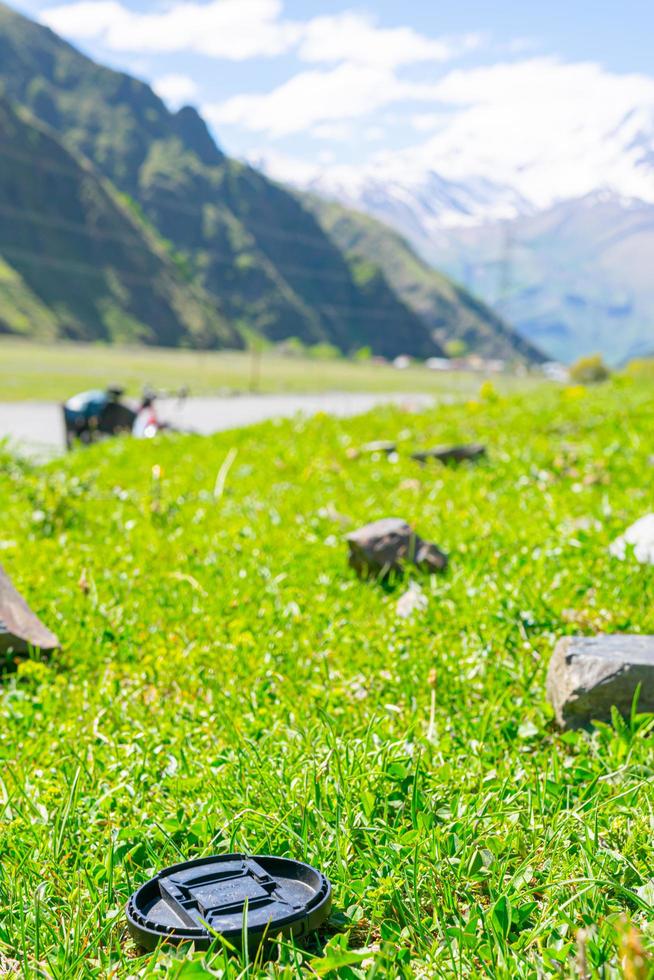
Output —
(618, 34)
(472, 88)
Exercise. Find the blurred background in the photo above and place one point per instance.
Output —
(312, 196)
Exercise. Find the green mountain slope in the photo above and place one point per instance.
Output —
(245, 239)
(21, 311)
(449, 311)
(77, 263)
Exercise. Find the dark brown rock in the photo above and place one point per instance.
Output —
(389, 545)
(20, 629)
(450, 454)
(588, 675)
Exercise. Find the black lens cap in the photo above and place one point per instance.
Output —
(228, 895)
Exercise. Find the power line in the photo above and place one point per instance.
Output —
(218, 256)
(86, 269)
(228, 260)
(83, 268)
(34, 217)
(505, 267)
(38, 219)
(48, 165)
(179, 206)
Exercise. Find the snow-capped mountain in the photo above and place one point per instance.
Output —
(417, 202)
(438, 185)
(635, 135)
(562, 246)
(421, 202)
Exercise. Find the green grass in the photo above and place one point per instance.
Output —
(226, 683)
(54, 372)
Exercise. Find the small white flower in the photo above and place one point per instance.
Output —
(414, 599)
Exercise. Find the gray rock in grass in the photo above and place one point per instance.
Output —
(450, 454)
(389, 545)
(588, 675)
(20, 628)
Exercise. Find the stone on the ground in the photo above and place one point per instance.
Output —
(20, 629)
(389, 545)
(640, 537)
(450, 454)
(380, 446)
(588, 675)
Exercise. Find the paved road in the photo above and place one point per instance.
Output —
(37, 427)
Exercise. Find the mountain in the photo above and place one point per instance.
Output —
(450, 312)
(472, 168)
(237, 236)
(417, 203)
(560, 248)
(575, 278)
(572, 278)
(76, 262)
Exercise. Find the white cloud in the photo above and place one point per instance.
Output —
(284, 167)
(519, 135)
(84, 20)
(337, 132)
(176, 90)
(346, 92)
(548, 128)
(231, 29)
(357, 39)
(425, 122)
(241, 29)
(534, 124)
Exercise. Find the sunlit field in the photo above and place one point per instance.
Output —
(227, 683)
(54, 372)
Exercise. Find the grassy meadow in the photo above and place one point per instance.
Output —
(52, 372)
(226, 683)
